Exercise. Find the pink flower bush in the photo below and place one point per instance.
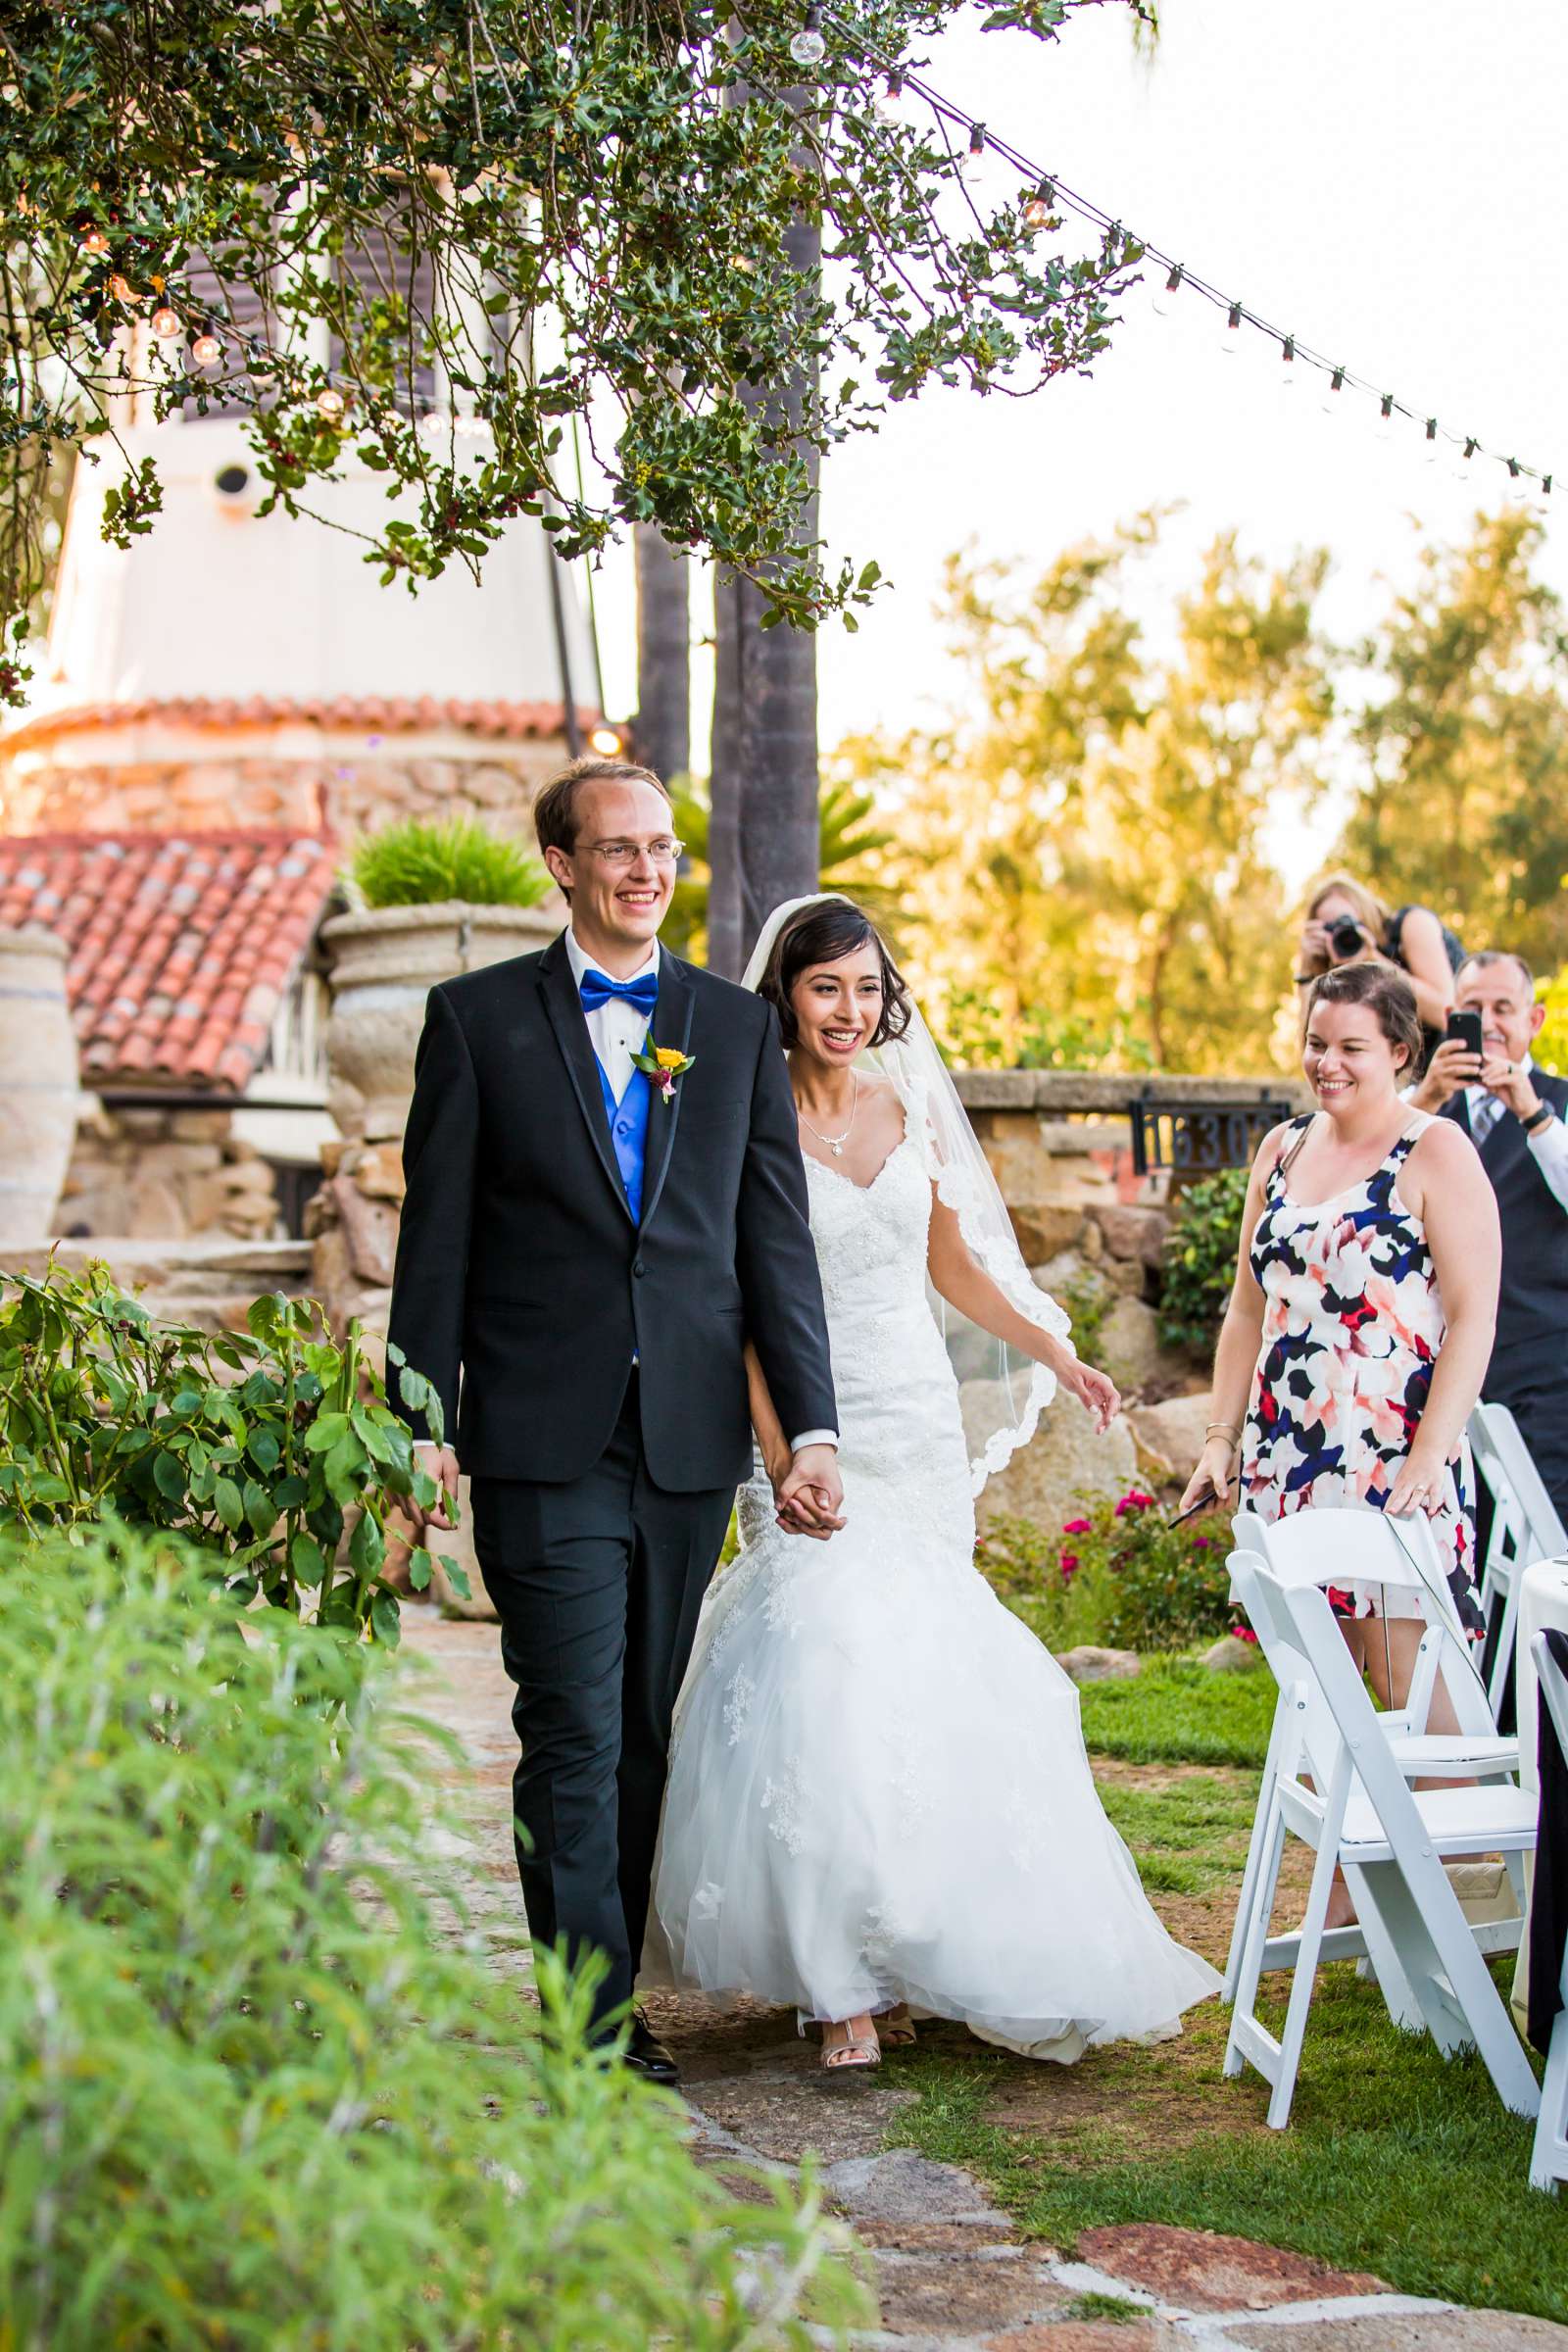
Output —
(1067, 1563)
(1133, 1501)
(1244, 1632)
(1076, 1527)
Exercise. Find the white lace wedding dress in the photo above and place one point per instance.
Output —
(878, 1789)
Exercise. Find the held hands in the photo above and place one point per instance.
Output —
(808, 1493)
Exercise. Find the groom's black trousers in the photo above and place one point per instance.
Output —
(598, 1583)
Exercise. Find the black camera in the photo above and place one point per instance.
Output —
(1345, 937)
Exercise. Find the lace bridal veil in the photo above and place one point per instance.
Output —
(1003, 1391)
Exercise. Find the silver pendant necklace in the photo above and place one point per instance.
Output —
(835, 1143)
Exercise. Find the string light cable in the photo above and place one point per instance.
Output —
(1048, 193)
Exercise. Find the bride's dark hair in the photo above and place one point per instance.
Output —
(825, 934)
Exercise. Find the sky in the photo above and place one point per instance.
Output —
(1384, 178)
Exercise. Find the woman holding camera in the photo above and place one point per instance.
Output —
(1361, 1319)
(1348, 923)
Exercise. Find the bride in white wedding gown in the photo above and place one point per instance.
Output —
(878, 1799)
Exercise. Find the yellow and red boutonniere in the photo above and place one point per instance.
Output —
(663, 1064)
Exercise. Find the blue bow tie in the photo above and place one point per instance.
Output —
(595, 989)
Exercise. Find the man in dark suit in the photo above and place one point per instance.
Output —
(605, 1202)
(1515, 1115)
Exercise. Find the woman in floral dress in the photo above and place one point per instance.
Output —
(1361, 1319)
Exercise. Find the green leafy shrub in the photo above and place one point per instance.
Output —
(1118, 1573)
(1200, 1247)
(265, 1446)
(420, 865)
(255, 2092)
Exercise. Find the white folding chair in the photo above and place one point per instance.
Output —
(1314, 1544)
(1356, 1812)
(1548, 2158)
(1525, 1528)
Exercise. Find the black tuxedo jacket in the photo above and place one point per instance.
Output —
(523, 1288)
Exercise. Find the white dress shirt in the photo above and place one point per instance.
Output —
(1548, 1142)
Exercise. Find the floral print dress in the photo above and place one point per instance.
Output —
(1352, 1323)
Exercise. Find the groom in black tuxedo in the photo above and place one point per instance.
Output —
(586, 1246)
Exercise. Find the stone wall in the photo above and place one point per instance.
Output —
(340, 786)
(154, 1174)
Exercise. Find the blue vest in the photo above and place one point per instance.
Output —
(629, 1133)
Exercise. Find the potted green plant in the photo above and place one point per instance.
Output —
(427, 901)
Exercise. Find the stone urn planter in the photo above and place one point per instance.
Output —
(383, 965)
(39, 1090)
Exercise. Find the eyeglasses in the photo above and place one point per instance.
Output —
(665, 851)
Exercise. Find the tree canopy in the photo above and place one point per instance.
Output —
(434, 235)
(1098, 863)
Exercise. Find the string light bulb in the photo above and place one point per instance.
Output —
(606, 742)
(977, 138)
(895, 82)
(1545, 483)
(329, 404)
(207, 349)
(1386, 417)
(1037, 213)
(1233, 328)
(1162, 301)
(1432, 440)
(1513, 469)
(1332, 384)
(809, 48)
(165, 323)
(121, 288)
(1288, 362)
(94, 243)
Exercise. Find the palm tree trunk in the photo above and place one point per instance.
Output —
(764, 840)
(663, 729)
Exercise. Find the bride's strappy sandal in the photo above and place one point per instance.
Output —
(896, 2030)
(856, 2054)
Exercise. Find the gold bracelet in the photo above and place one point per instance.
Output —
(1225, 1429)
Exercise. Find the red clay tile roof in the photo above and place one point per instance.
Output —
(386, 714)
(181, 945)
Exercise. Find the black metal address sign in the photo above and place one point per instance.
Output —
(1198, 1139)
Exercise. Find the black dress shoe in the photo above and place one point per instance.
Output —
(646, 2055)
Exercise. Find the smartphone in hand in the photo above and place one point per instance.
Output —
(1464, 1029)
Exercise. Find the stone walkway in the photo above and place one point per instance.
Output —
(952, 2274)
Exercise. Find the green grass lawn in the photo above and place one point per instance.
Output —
(1176, 1711)
(1394, 2162)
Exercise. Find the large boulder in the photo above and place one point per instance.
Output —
(1128, 1347)
(1067, 1462)
(1169, 1437)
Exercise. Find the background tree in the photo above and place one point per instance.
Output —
(662, 727)
(198, 199)
(1462, 736)
(1085, 862)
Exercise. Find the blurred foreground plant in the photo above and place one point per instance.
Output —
(261, 1445)
(259, 2087)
